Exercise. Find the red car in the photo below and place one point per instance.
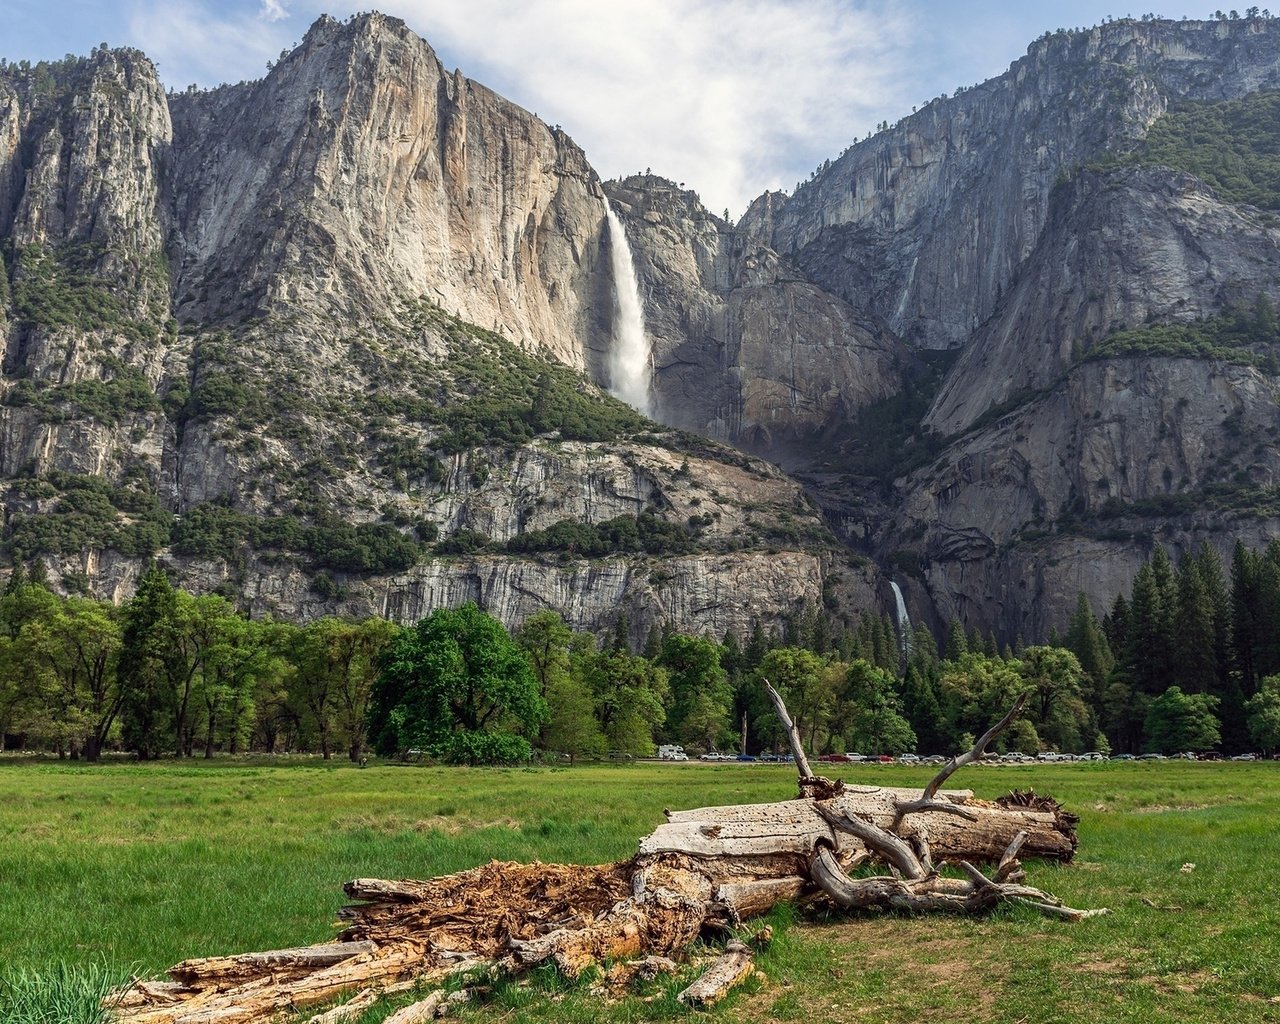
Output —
(835, 757)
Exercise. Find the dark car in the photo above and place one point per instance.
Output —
(745, 757)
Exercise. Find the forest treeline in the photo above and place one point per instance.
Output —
(1190, 660)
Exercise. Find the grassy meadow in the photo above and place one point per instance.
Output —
(117, 869)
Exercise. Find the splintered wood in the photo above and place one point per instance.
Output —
(703, 872)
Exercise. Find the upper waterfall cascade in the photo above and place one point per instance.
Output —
(904, 621)
(630, 360)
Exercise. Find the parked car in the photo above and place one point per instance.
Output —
(909, 759)
(745, 757)
(835, 758)
(1245, 757)
(885, 759)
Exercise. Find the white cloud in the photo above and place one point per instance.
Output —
(273, 10)
(193, 43)
(729, 96)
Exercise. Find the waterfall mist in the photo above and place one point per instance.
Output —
(629, 373)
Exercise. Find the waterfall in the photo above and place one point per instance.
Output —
(904, 622)
(629, 361)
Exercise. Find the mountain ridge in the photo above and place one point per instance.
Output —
(293, 298)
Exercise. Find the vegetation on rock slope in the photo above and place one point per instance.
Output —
(1233, 146)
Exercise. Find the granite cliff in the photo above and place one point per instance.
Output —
(336, 341)
(312, 341)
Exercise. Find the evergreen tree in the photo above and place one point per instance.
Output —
(1244, 607)
(1146, 655)
(922, 708)
(1086, 640)
(1266, 646)
(1219, 594)
(957, 647)
(757, 647)
(621, 634)
(1116, 626)
(143, 717)
(653, 642)
(924, 648)
(1196, 667)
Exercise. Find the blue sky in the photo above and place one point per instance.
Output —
(731, 97)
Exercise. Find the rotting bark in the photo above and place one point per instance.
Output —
(702, 872)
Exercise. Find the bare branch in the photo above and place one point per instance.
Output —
(979, 748)
(942, 806)
(1009, 863)
(1066, 913)
(793, 734)
(896, 851)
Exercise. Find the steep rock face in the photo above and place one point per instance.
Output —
(81, 158)
(1121, 249)
(728, 586)
(926, 224)
(1069, 488)
(360, 170)
(302, 383)
(84, 151)
(745, 348)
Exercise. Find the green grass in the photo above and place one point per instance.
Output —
(122, 868)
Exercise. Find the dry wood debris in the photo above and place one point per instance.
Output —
(702, 872)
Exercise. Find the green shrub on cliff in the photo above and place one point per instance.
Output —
(1233, 146)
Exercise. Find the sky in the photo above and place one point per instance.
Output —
(729, 97)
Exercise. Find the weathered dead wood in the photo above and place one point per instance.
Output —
(789, 727)
(279, 963)
(704, 869)
(263, 998)
(350, 1010)
(747, 899)
(623, 975)
(731, 968)
(798, 827)
(420, 1012)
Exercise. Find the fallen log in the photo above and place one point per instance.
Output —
(733, 967)
(703, 871)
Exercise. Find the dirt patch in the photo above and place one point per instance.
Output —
(1185, 984)
(1166, 808)
(452, 826)
(1105, 967)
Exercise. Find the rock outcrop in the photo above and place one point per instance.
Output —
(1122, 249)
(238, 315)
(928, 223)
(360, 170)
(745, 347)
